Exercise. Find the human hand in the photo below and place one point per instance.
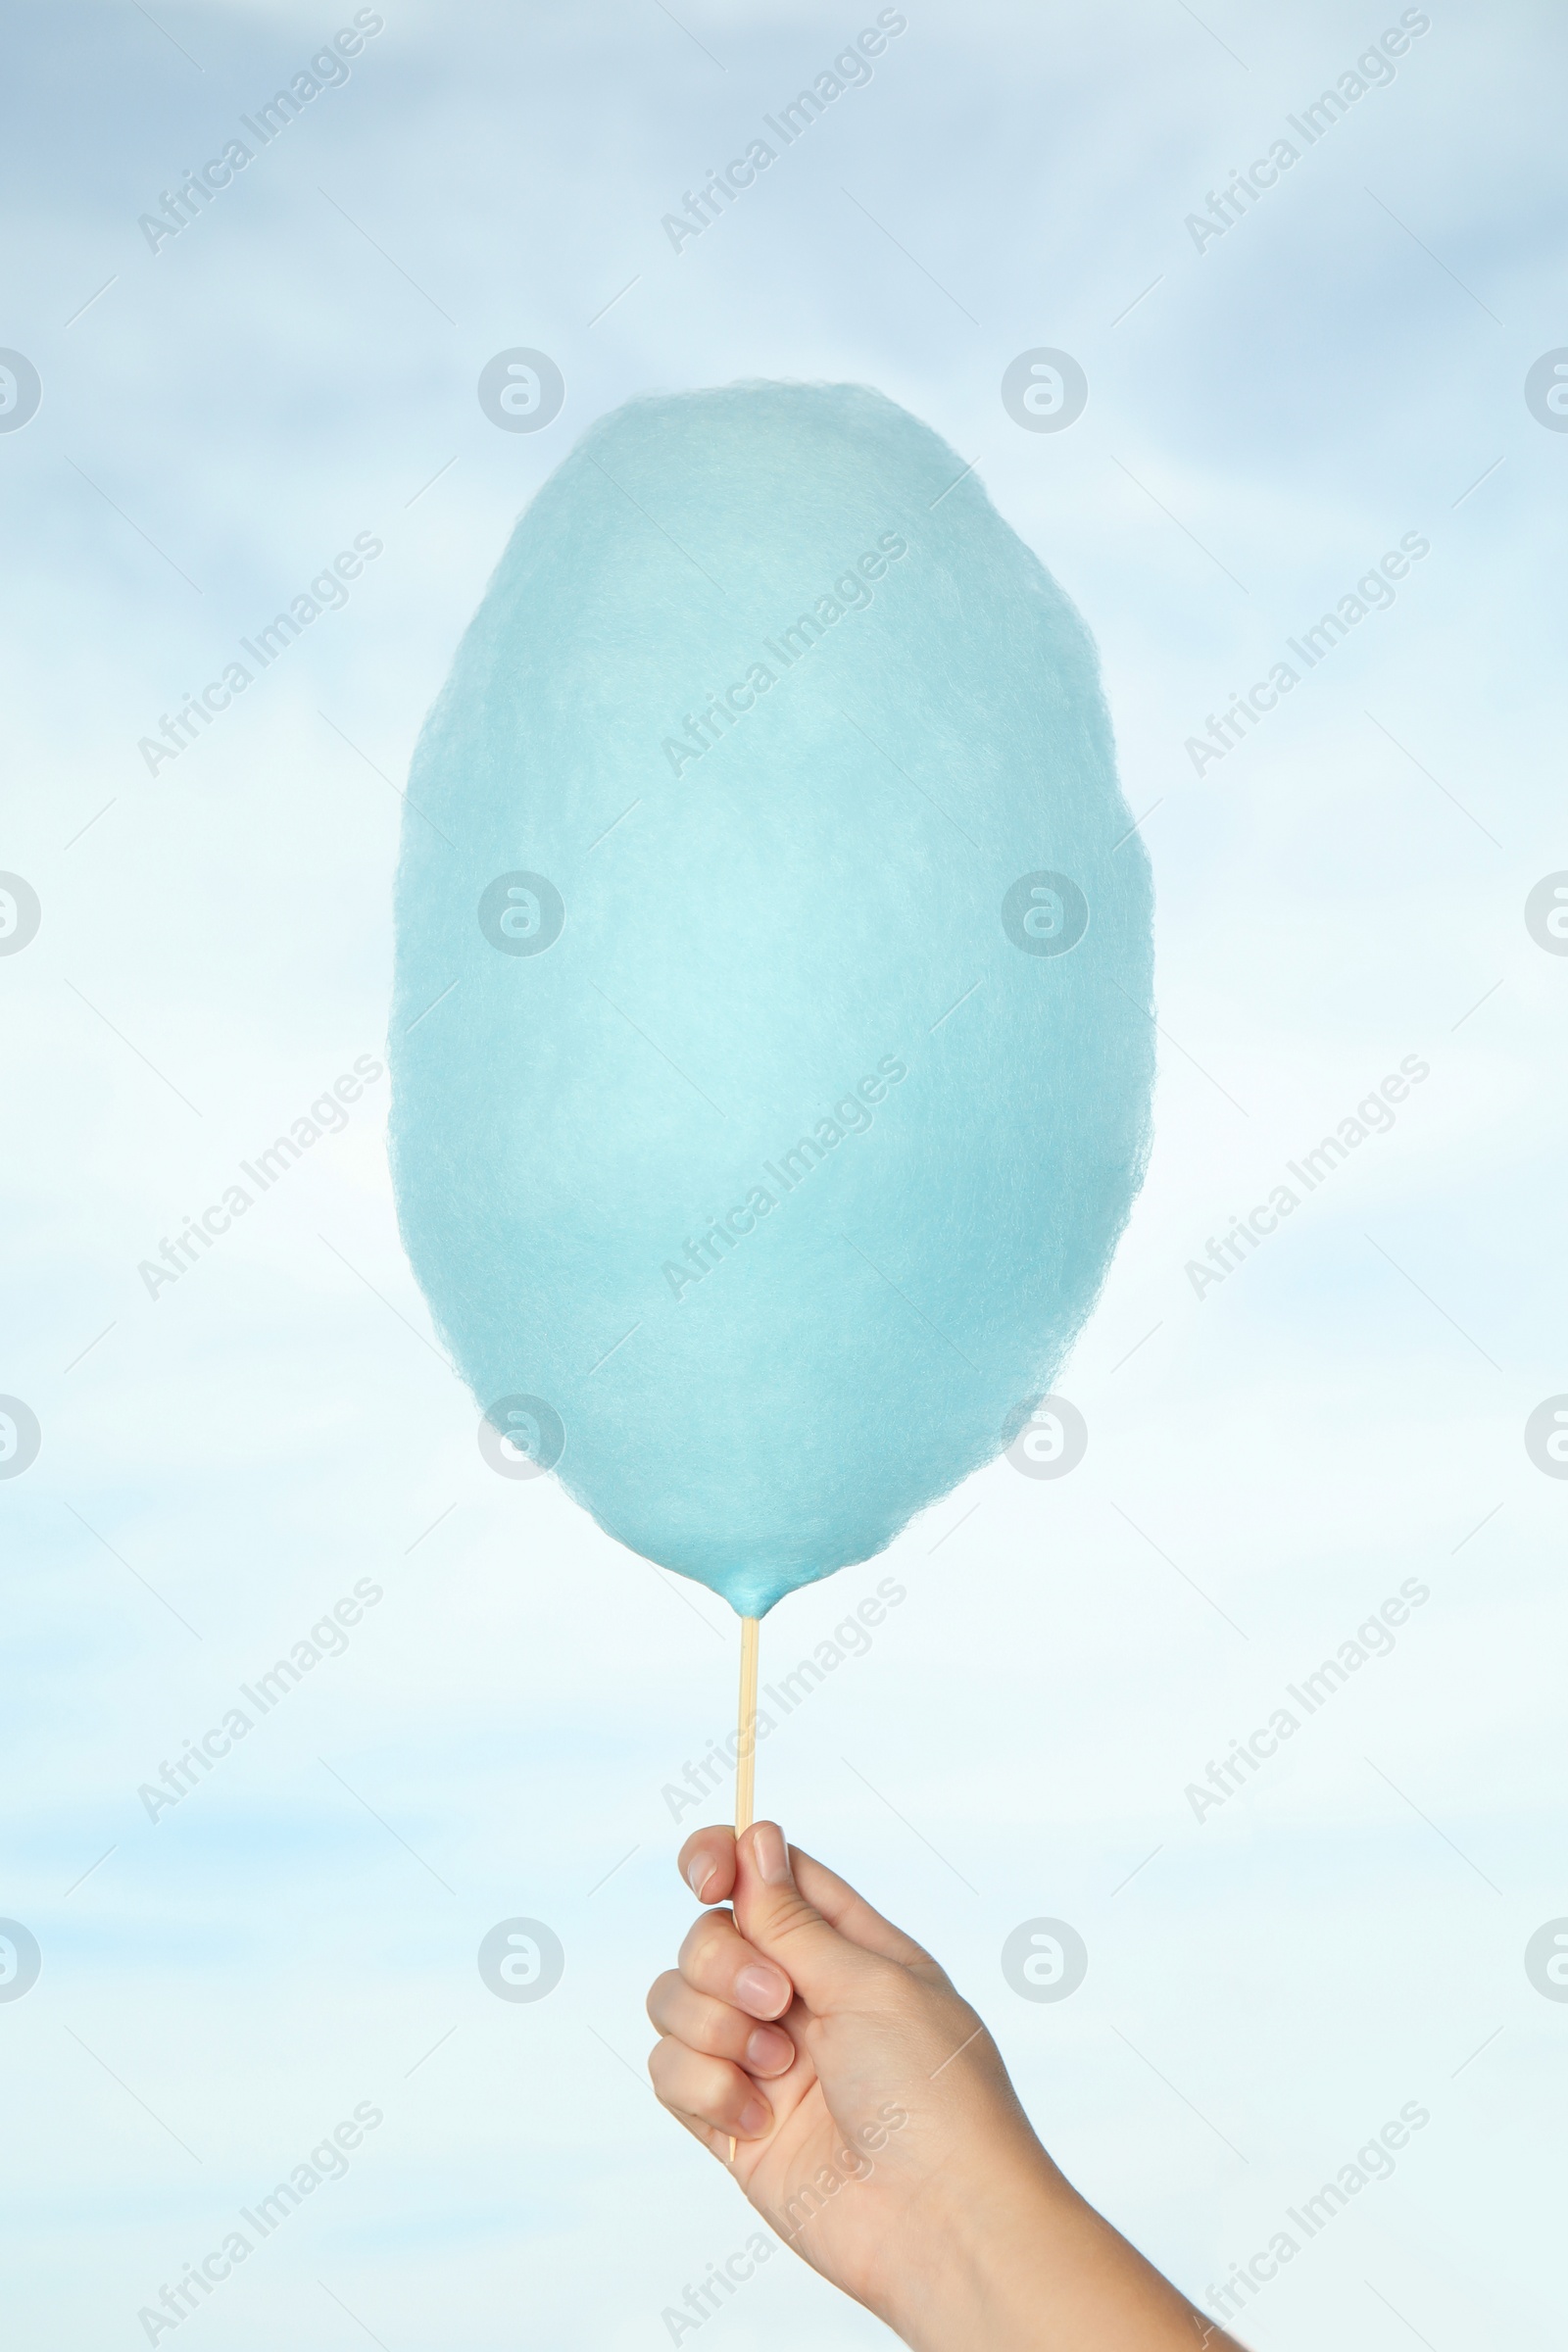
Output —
(873, 2122)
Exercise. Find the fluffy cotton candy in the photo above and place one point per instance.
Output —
(772, 1043)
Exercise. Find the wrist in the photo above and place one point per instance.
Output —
(985, 2262)
(1027, 2265)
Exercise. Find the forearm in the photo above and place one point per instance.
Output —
(1029, 2266)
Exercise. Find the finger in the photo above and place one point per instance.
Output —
(851, 1913)
(708, 1864)
(708, 2089)
(715, 1958)
(827, 1968)
(717, 2143)
(715, 2029)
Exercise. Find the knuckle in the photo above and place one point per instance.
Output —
(893, 1985)
(722, 2030)
(930, 1973)
(702, 1938)
(658, 1994)
(792, 1915)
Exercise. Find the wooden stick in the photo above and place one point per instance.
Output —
(746, 1739)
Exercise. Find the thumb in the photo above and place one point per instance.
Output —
(825, 1968)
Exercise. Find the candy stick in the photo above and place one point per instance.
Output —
(746, 1739)
(746, 1736)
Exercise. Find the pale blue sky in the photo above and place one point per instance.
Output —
(1347, 889)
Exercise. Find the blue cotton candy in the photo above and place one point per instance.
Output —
(772, 1043)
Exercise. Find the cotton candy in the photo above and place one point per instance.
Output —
(773, 1039)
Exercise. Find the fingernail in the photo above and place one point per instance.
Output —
(771, 1853)
(768, 2052)
(755, 2119)
(698, 1871)
(760, 1987)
